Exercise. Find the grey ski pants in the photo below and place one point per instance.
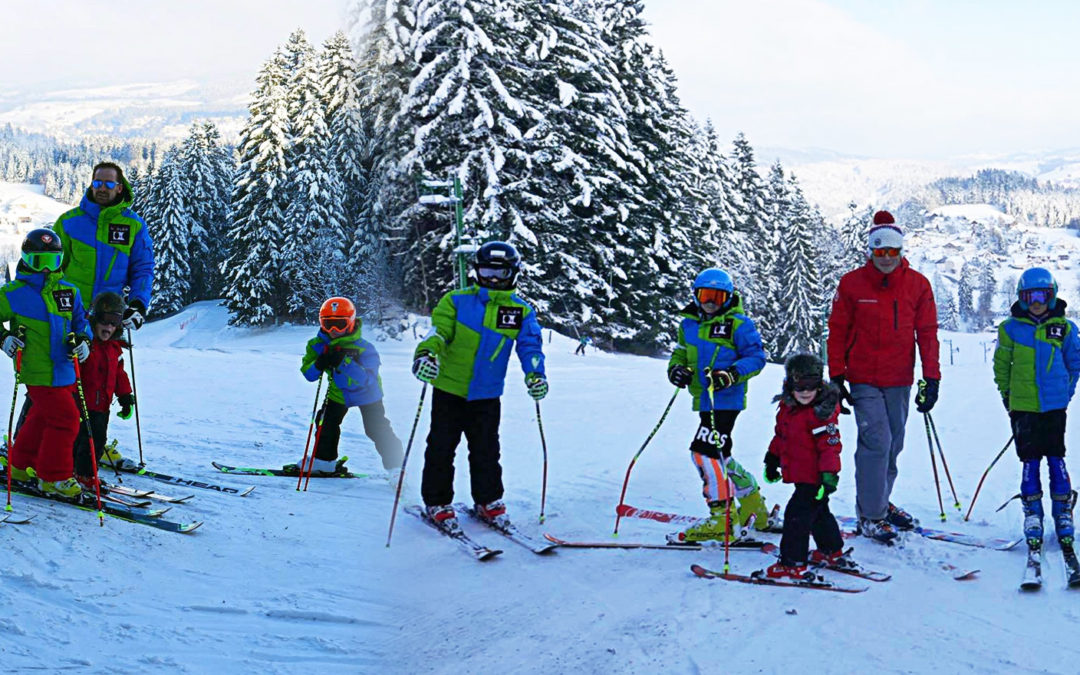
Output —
(880, 413)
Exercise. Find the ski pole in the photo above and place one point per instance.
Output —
(944, 464)
(314, 410)
(404, 462)
(135, 395)
(626, 481)
(21, 332)
(933, 463)
(985, 474)
(89, 430)
(318, 435)
(543, 445)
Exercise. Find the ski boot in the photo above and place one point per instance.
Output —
(837, 560)
(1062, 508)
(714, 528)
(753, 505)
(112, 459)
(1033, 520)
(26, 475)
(878, 530)
(444, 518)
(493, 512)
(796, 572)
(900, 519)
(68, 489)
(319, 467)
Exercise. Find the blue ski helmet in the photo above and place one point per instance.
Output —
(715, 280)
(1036, 279)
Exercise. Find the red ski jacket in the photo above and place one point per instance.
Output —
(875, 323)
(807, 438)
(103, 374)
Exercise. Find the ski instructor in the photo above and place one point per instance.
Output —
(880, 312)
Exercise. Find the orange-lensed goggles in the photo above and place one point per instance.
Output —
(334, 324)
(885, 252)
(717, 296)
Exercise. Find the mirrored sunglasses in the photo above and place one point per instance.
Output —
(886, 252)
(1039, 295)
(111, 184)
(494, 272)
(716, 296)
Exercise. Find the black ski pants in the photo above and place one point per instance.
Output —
(376, 426)
(84, 461)
(479, 420)
(806, 516)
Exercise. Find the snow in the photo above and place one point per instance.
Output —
(974, 212)
(287, 582)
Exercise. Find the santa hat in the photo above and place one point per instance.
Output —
(885, 233)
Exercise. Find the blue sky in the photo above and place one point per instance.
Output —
(882, 78)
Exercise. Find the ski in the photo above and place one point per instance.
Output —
(854, 569)
(252, 471)
(960, 574)
(151, 518)
(186, 482)
(477, 551)
(742, 544)
(996, 543)
(628, 511)
(145, 494)
(1032, 579)
(818, 583)
(131, 504)
(509, 530)
(1072, 567)
(12, 519)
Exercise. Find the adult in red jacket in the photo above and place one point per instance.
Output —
(880, 312)
(103, 377)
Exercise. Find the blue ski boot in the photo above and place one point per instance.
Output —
(1061, 508)
(1033, 520)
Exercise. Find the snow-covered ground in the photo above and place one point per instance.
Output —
(285, 582)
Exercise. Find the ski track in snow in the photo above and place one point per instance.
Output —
(285, 582)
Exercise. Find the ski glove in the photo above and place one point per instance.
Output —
(722, 379)
(11, 345)
(133, 315)
(829, 481)
(426, 367)
(845, 395)
(78, 346)
(537, 384)
(927, 396)
(126, 401)
(772, 468)
(329, 359)
(1004, 399)
(680, 376)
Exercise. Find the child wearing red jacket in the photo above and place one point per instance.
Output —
(102, 376)
(806, 451)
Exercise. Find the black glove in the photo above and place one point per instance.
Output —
(329, 359)
(134, 315)
(845, 395)
(927, 396)
(772, 468)
(125, 401)
(1005, 401)
(680, 376)
(722, 379)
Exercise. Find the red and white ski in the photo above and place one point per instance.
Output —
(818, 583)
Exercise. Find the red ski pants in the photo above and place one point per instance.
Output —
(48, 434)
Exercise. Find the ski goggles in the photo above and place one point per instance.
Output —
(108, 319)
(334, 324)
(885, 252)
(110, 184)
(43, 261)
(717, 296)
(1042, 296)
(494, 272)
(806, 384)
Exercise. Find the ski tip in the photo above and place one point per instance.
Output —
(248, 491)
(186, 528)
(554, 540)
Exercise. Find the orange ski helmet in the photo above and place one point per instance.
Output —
(337, 317)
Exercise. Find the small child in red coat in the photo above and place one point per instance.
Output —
(806, 451)
(102, 376)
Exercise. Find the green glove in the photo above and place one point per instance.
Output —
(829, 481)
(126, 402)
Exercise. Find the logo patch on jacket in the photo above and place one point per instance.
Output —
(509, 318)
(120, 234)
(722, 330)
(64, 299)
(1055, 331)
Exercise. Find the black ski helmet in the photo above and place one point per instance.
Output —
(42, 251)
(497, 264)
(107, 305)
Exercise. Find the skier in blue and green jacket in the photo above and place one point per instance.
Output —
(719, 350)
(352, 363)
(464, 358)
(46, 328)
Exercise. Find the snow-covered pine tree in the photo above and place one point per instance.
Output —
(257, 209)
(987, 285)
(853, 235)
(749, 198)
(340, 97)
(170, 229)
(1008, 294)
(965, 292)
(948, 318)
(800, 292)
(206, 169)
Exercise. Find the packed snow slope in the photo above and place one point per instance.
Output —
(287, 582)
